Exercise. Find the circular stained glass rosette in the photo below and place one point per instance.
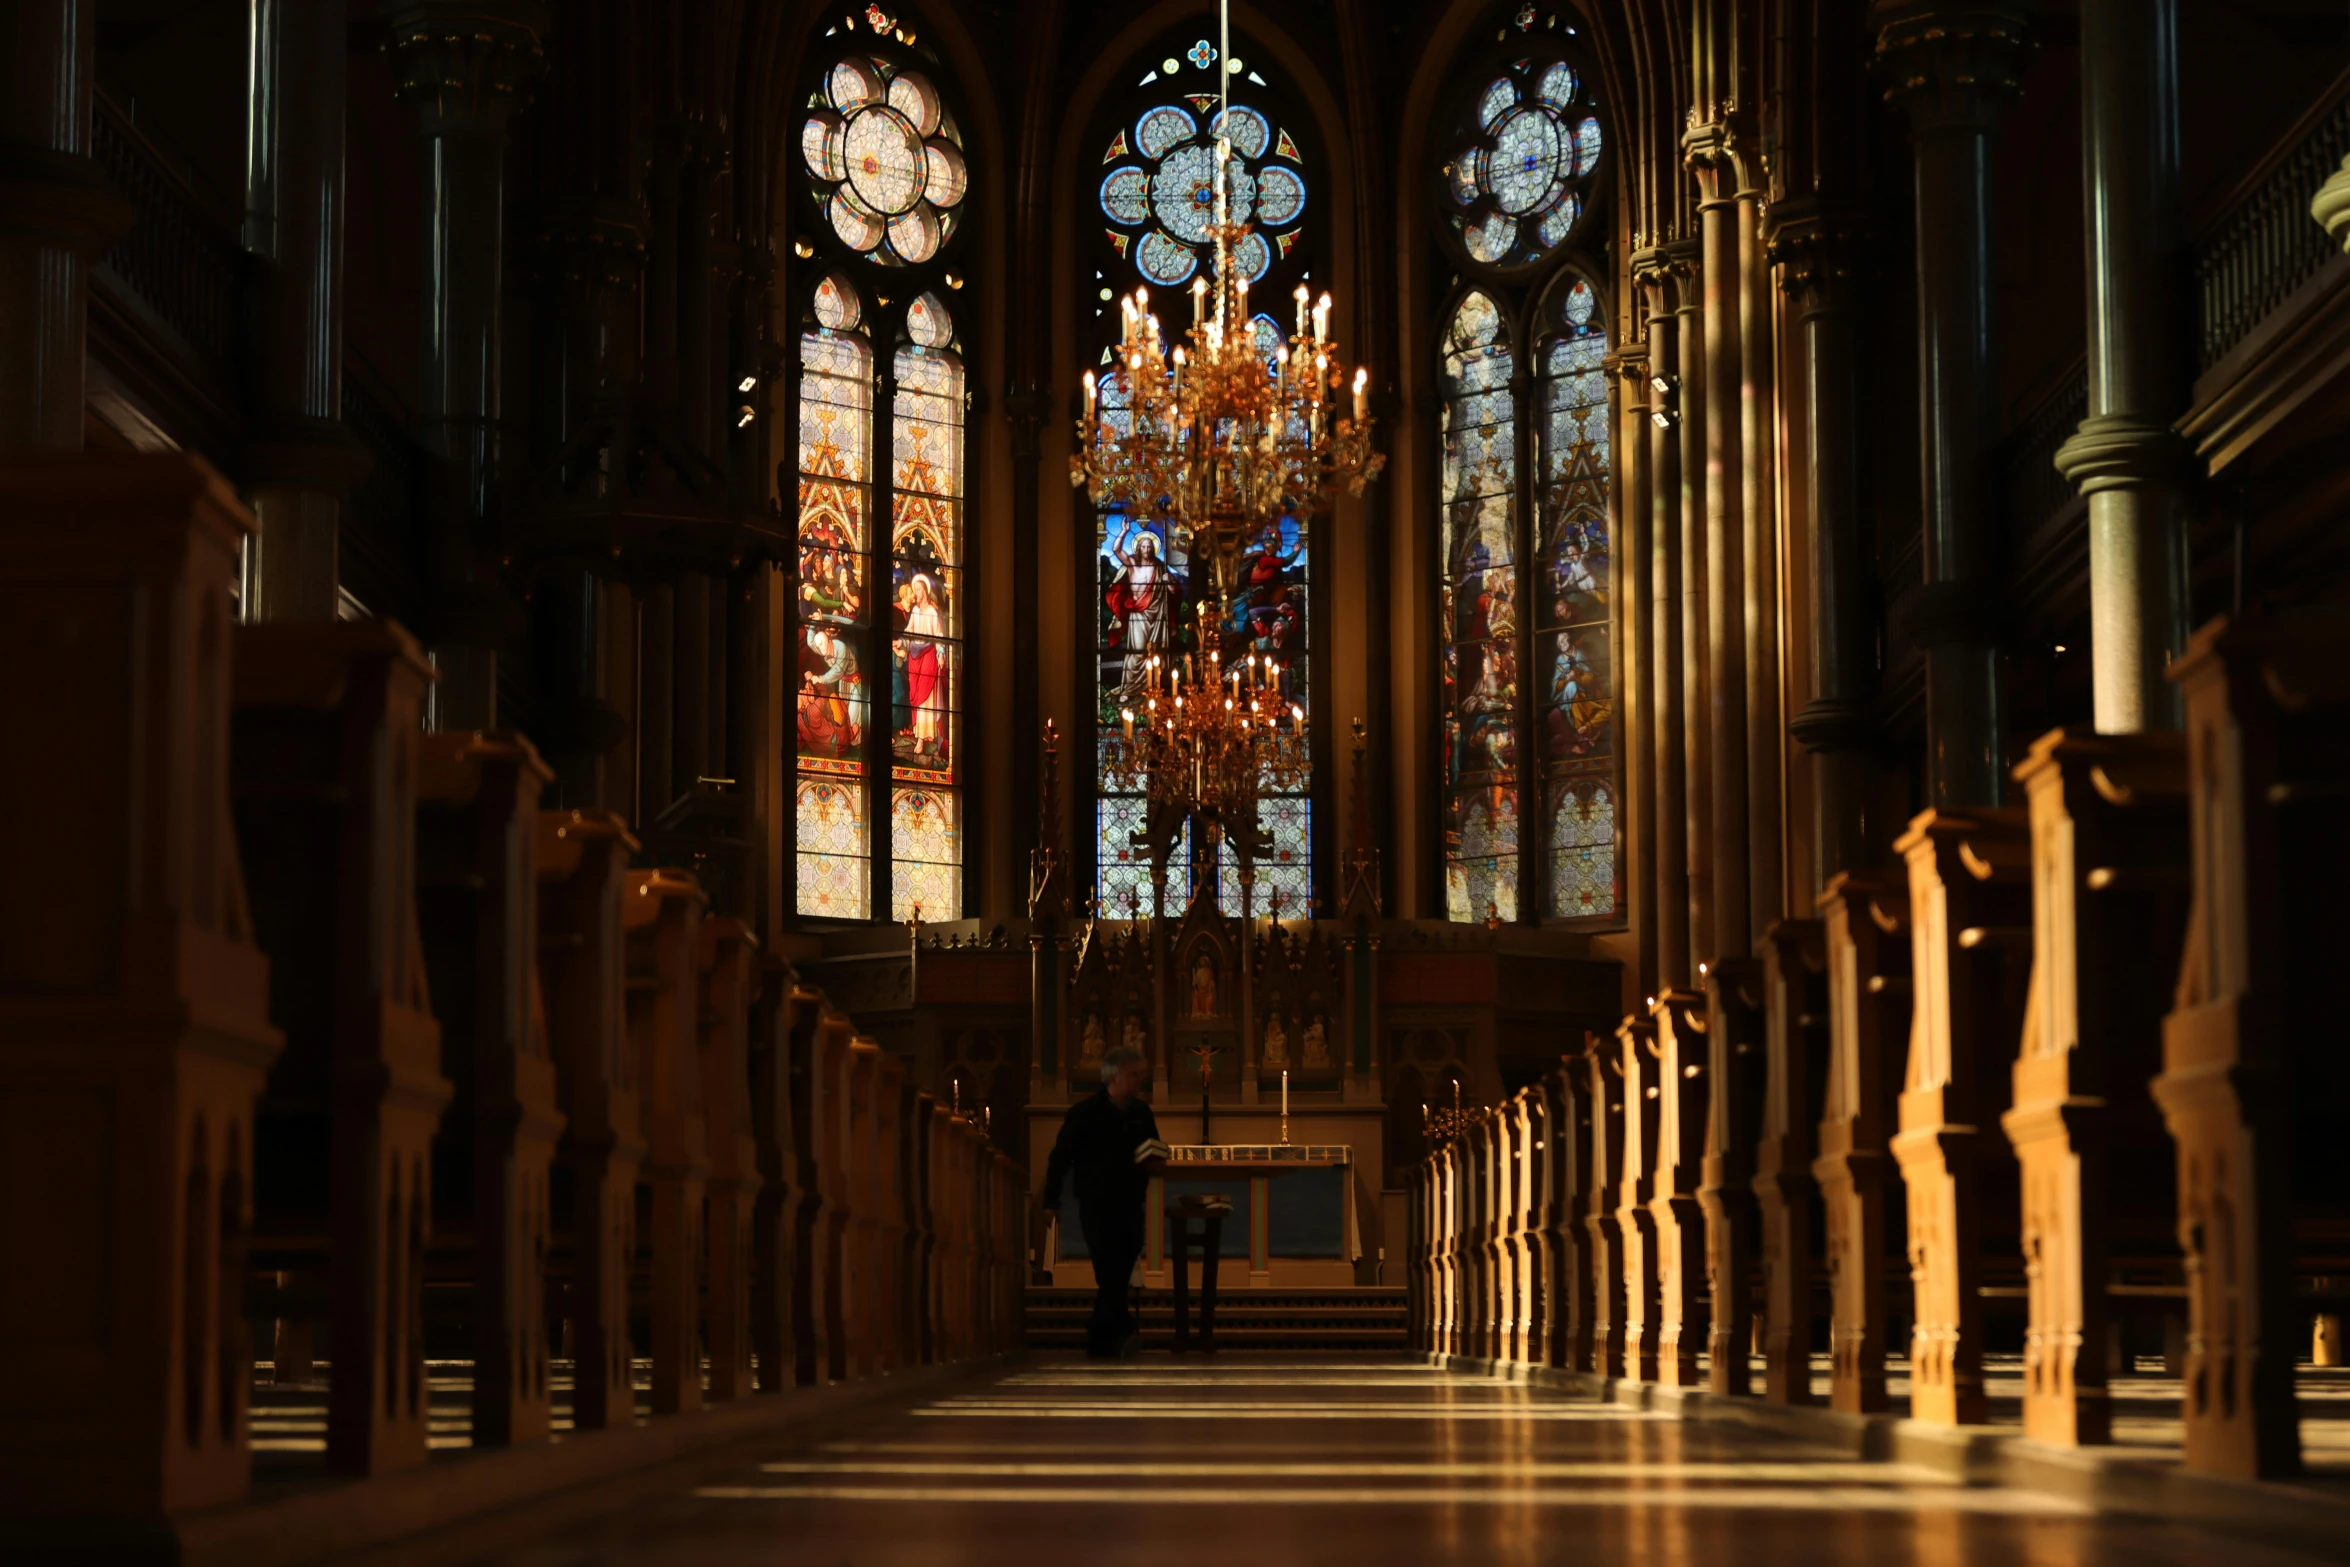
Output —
(1161, 128)
(887, 164)
(852, 85)
(1251, 132)
(820, 145)
(1183, 192)
(859, 227)
(1126, 196)
(1165, 260)
(1252, 258)
(1514, 184)
(1281, 195)
(1559, 222)
(915, 235)
(893, 159)
(1492, 239)
(1523, 172)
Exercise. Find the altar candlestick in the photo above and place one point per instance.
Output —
(1285, 1107)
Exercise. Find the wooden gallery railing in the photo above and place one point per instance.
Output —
(2066, 1072)
(322, 1026)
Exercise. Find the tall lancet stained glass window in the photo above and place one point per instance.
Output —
(1480, 615)
(1155, 200)
(1527, 612)
(1575, 712)
(881, 397)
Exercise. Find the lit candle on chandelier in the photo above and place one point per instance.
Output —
(1126, 717)
(1302, 296)
(1322, 318)
(1362, 393)
(1089, 396)
(1199, 301)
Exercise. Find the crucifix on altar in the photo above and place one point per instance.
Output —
(1206, 1055)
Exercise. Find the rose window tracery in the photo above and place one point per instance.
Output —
(1518, 181)
(887, 160)
(1164, 185)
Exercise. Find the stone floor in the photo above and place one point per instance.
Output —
(1357, 1462)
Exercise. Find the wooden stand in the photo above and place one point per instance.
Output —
(1211, 1212)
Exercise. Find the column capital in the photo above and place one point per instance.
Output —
(1819, 249)
(1723, 152)
(1954, 64)
(465, 65)
(2124, 452)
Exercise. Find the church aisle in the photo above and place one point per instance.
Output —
(1161, 1462)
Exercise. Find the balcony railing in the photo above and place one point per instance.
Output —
(2263, 245)
(180, 269)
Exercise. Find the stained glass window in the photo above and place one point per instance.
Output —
(835, 456)
(878, 632)
(926, 554)
(1576, 713)
(1520, 159)
(1157, 198)
(1480, 591)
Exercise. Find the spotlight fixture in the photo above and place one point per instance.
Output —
(743, 416)
(1664, 418)
(747, 383)
(1662, 383)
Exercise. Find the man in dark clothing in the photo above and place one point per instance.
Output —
(1110, 1144)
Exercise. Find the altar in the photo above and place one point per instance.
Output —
(1294, 1218)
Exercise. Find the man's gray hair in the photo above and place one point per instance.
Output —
(1118, 1058)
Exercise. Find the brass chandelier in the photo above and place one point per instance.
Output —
(1224, 436)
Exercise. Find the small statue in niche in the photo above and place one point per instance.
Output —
(1132, 1037)
(1317, 1046)
(1203, 988)
(1276, 1056)
(1091, 1044)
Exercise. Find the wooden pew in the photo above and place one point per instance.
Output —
(1970, 945)
(1675, 1144)
(1507, 1150)
(1864, 923)
(921, 1299)
(477, 839)
(1736, 1068)
(135, 1033)
(583, 968)
(889, 1209)
(1603, 1073)
(1637, 1096)
(2253, 1084)
(663, 915)
(2109, 883)
(864, 1220)
(324, 760)
(1795, 1034)
(1442, 1258)
(1567, 1170)
(783, 1325)
(1483, 1154)
(727, 964)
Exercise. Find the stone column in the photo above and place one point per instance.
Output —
(1766, 733)
(1954, 64)
(1697, 732)
(1636, 820)
(2126, 459)
(303, 461)
(1816, 247)
(1723, 717)
(1668, 803)
(57, 213)
(464, 66)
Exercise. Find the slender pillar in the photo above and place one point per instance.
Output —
(463, 64)
(1668, 758)
(57, 213)
(304, 461)
(1816, 246)
(1695, 590)
(1766, 735)
(2127, 460)
(1636, 633)
(1954, 65)
(1708, 148)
